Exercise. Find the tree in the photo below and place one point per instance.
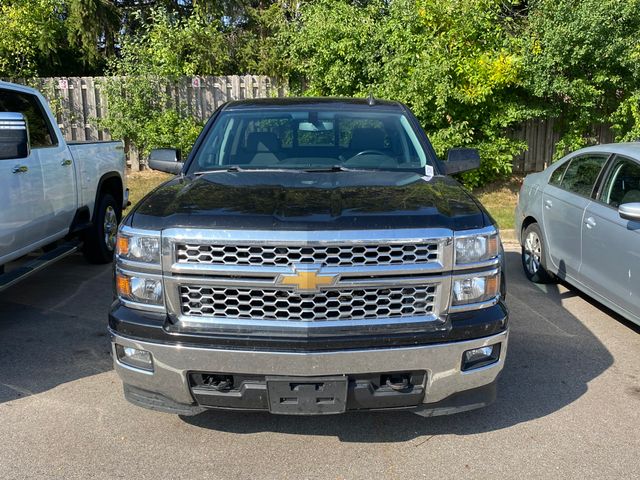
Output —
(581, 61)
(93, 25)
(452, 63)
(166, 47)
(30, 35)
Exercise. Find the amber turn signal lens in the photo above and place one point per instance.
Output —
(123, 285)
(493, 284)
(492, 247)
(122, 245)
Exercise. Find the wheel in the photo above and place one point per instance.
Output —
(100, 240)
(534, 255)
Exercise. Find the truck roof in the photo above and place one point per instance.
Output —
(18, 87)
(335, 102)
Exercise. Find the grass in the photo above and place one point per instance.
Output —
(141, 183)
(499, 198)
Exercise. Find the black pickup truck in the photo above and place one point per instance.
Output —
(311, 256)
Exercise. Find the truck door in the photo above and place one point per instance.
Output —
(611, 244)
(58, 170)
(20, 195)
(55, 203)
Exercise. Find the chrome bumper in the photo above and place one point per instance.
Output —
(442, 362)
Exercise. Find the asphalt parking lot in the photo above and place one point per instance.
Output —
(568, 405)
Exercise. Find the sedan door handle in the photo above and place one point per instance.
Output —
(548, 204)
(590, 222)
(20, 169)
(66, 162)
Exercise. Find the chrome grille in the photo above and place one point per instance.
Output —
(333, 255)
(334, 304)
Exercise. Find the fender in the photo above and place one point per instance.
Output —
(105, 178)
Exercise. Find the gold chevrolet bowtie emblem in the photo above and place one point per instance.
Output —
(307, 278)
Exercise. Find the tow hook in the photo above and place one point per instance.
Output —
(398, 383)
(219, 383)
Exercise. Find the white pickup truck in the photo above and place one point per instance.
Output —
(55, 196)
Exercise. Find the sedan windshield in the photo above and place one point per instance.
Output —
(311, 138)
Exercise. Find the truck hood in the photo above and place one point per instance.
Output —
(286, 200)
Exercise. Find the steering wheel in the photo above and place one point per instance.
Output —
(369, 152)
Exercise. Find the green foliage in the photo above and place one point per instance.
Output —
(169, 45)
(142, 115)
(470, 70)
(581, 61)
(93, 25)
(55, 37)
(141, 107)
(450, 62)
(30, 32)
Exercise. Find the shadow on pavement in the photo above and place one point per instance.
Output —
(53, 328)
(552, 357)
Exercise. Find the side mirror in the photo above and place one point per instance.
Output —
(166, 160)
(14, 136)
(461, 160)
(630, 211)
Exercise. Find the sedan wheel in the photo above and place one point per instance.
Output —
(533, 255)
(532, 252)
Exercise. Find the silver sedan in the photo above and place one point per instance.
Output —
(579, 220)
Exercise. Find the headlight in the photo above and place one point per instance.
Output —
(139, 288)
(475, 289)
(138, 248)
(476, 248)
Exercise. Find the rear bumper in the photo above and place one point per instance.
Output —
(446, 388)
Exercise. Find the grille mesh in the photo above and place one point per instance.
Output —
(274, 304)
(341, 255)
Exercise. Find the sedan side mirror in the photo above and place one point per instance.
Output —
(14, 136)
(166, 160)
(630, 211)
(461, 160)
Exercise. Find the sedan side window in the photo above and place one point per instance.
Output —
(556, 176)
(623, 183)
(582, 173)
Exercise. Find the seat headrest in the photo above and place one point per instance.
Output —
(263, 142)
(632, 196)
(367, 139)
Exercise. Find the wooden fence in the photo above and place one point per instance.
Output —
(541, 136)
(78, 102)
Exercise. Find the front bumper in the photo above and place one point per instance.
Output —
(446, 388)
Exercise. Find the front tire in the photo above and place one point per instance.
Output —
(100, 240)
(534, 253)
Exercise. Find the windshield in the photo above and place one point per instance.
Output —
(295, 138)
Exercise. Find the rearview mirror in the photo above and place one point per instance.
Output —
(461, 160)
(630, 211)
(166, 160)
(14, 136)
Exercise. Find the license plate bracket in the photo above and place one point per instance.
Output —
(307, 395)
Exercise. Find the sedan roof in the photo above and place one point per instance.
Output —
(630, 149)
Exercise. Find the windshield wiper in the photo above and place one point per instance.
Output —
(235, 168)
(334, 168)
(230, 168)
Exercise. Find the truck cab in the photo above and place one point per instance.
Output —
(312, 256)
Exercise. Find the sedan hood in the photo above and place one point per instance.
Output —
(286, 200)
